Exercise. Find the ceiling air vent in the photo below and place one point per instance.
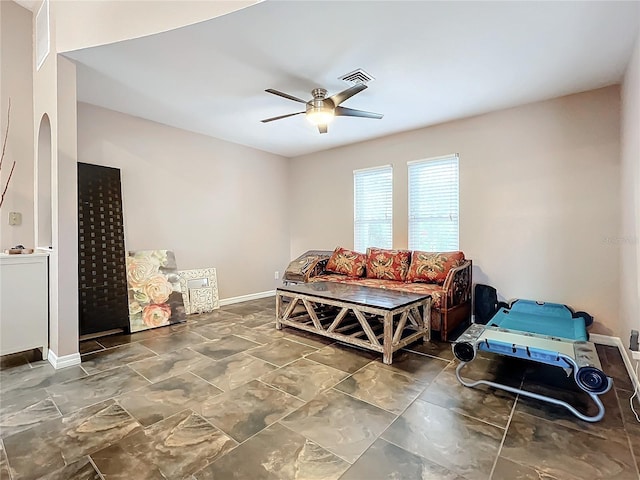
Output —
(357, 76)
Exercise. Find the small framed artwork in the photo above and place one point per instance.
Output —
(199, 290)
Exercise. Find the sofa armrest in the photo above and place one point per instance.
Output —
(457, 286)
(308, 265)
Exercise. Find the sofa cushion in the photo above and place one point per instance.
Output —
(347, 262)
(388, 264)
(433, 267)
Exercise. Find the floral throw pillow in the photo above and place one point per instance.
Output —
(388, 264)
(347, 262)
(433, 267)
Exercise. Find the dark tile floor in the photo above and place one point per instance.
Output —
(227, 396)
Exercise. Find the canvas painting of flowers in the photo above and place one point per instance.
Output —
(153, 285)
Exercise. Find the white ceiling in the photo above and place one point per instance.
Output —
(432, 62)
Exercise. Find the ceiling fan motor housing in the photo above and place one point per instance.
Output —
(319, 103)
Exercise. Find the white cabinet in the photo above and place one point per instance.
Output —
(24, 303)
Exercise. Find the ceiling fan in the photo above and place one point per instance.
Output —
(321, 110)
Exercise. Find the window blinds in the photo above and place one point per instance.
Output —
(372, 191)
(433, 204)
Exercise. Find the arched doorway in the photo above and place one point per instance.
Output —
(43, 204)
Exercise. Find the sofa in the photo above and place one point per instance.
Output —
(446, 276)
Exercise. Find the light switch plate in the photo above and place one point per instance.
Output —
(15, 218)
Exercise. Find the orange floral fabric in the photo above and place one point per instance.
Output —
(388, 264)
(433, 267)
(347, 262)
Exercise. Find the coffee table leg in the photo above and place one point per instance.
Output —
(426, 315)
(278, 311)
(427, 328)
(387, 345)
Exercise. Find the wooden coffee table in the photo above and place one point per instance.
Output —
(372, 318)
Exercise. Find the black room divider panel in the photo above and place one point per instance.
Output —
(102, 277)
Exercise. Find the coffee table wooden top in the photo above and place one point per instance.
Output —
(355, 294)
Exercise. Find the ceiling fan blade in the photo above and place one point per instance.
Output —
(322, 128)
(350, 112)
(285, 95)
(281, 116)
(338, 98)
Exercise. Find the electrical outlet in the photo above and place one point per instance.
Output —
(15, 218)
(276, 275)
(635, 355)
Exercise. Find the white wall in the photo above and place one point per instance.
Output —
(16, 83)
(83, 23)
(216, 204)
(63, 259)
(630, 192)
(539, 197)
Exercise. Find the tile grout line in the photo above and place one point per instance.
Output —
(365, 401)
(98, 401)
(636, 461)
(414, 453)
(506, 431)
(326, 448)
(465, 414)
(633, 456)
(327, 366)
(246, 352)
(95, 467)
(4, 450)
(211, 383)
(54, 404)
(255, 434)
(304, 402)
(115, 400)
(405, 349)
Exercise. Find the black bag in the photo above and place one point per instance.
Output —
(485, 303)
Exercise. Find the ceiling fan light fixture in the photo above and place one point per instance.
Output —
(320, 115)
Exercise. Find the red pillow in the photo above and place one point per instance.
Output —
(388, 264)
(433, 267)
(347, 262)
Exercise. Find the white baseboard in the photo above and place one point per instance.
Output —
(617, 342)
(605, 340)
(63, 361)
(245, 298)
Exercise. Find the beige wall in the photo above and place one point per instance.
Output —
(65, 214)
(630, 174)
(539, 197)
(54, 95)
(214, 203)
(16, 83)
(83, 23)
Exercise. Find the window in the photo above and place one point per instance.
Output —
(372, 212)
(433, 204)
